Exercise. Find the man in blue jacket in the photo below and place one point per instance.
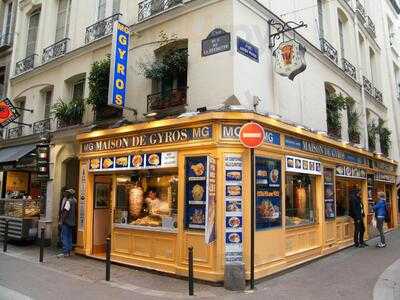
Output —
(380, 210)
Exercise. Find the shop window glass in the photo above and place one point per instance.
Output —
(300, 199)
(343, 191)
(342, 198)
(147, 199)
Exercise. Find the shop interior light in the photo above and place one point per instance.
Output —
(150, 114)
(274, 116)
(188, 114)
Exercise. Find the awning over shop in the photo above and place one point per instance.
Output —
(12, 155)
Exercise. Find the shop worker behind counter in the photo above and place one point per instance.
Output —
(357, 213)
(67, 222)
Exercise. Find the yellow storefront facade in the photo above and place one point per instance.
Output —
(160, 187)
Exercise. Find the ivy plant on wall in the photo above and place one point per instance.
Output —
(353, 119)
(384, 137)
(335, 104)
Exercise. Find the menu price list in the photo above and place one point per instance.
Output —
(329, 192)
(233, 208)
(196, 190)
(268, 193)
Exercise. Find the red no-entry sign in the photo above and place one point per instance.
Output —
(252, 135)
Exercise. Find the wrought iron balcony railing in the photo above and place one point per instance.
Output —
(368, 87)
(42, 126)
(360, 10)
(349, 69)
(62, 124)
(378, 95)
(14, 132)
(149, 8)
(168, 99)
(101, 28)
(56, 50)
(25, 65)
(329, 50)
(370, 26)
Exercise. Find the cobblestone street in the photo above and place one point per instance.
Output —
(344, 275)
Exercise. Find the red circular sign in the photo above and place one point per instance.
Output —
(252, 135)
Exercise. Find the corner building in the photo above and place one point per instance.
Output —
(152, 199)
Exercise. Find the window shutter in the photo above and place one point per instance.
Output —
(32, 33)
(101, 10)
(116, 7)
(62, 15)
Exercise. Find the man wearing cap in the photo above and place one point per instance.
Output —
(67, 222)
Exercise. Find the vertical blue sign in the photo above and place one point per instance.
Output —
(119, 66)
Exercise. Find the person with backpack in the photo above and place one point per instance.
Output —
(381, 216)
(67, 222)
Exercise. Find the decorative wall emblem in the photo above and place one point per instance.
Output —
(290, 59)
(8, 113)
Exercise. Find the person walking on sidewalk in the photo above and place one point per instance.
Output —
(68, 222)
(381, 214)
(357, 213)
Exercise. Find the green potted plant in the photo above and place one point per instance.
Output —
(384, 137)
(372, 131)
(171, 64)
(99, 78)
(69, 113)
(353, 119)
(335, 104)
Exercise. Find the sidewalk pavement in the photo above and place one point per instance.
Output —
(388, 285)
(351, 274)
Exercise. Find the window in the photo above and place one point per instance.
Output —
(78, 89)
(2, 81)
(116, 6)
(373, 69)
(101, 9)
(300, 199)
(47, 105)
(320, 19)
(343, 190)
(7, 23)
(62, 19)
(20, 104)
(341, 39)
(32, 33)
(146, 199)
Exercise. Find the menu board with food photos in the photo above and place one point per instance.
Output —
(370, 189)
(210, 201)
(346, 171)
(196, 172)
(329, 192)
(134, 162)
(268, 193)
(233, 208)
(303, 165)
